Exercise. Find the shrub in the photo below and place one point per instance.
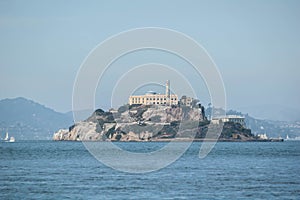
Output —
(123, 108)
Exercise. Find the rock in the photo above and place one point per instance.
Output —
(60, 134)
(82, 131)
(147, 123)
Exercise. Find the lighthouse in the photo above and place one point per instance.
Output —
(168, 93)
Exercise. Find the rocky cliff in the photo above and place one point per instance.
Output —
(147, 123)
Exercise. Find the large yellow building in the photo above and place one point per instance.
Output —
(152, 98)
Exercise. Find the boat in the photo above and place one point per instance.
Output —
(11, 139)
(287, 137)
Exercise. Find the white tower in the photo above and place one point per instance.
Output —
(168, 93)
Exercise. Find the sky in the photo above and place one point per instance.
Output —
(255, 44)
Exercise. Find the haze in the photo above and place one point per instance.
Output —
(255, 44)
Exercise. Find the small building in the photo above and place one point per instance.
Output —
(186, 101)
(152, 98)
(230, 118)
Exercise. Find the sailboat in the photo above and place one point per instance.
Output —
(287, 137)
(9, 139)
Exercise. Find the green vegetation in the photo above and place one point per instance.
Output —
(123, 108)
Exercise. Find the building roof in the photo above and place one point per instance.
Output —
(151, 92)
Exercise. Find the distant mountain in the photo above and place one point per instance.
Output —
(272, 112)
(25, 119)
(273, 128)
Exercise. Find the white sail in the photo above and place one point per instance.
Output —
(6, 136)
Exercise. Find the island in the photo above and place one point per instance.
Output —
(156, 117)
(150, 123)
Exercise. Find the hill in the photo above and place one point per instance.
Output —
(273, 128)
(272, 112)
(26, 120)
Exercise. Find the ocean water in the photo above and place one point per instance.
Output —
(66, 170)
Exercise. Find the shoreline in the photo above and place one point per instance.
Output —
(181, 140)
